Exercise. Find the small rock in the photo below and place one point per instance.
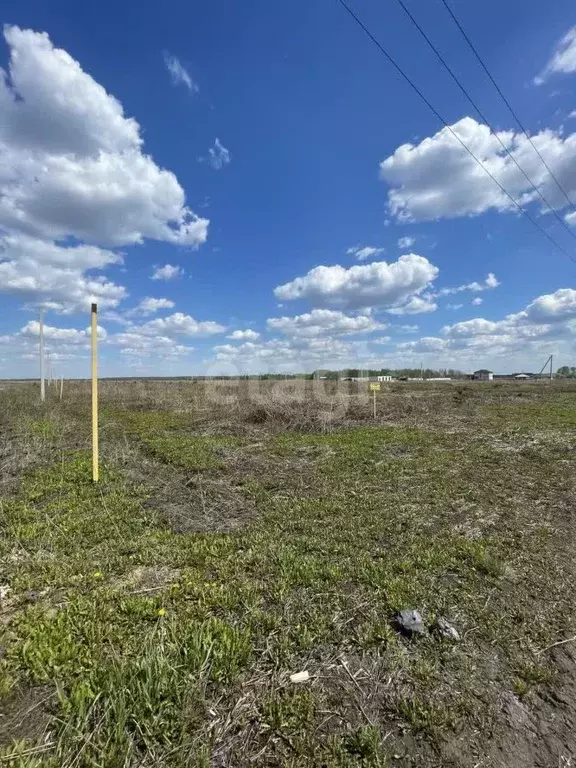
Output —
(443, 628)
(300, 677)
(410, 622)
(4, 592)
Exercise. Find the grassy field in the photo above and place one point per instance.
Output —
(244, 532)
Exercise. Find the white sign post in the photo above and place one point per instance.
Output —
(374, 387)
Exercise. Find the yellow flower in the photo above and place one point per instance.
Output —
(161, 612)
(97, 575)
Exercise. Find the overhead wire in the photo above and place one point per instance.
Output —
(456, 79)
(433, 109)
(505, 100)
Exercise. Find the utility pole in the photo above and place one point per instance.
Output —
(551, 361)
(42, 387)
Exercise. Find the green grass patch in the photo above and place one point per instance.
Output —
(45, 428)
(191, 452)
(147, 422)
(166, 436)
(546, 415)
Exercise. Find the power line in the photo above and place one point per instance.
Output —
(485, 119)
(505, 100)
(414, 87)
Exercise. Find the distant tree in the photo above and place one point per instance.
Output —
(566, 372)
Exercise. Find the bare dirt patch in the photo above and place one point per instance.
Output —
(540, 732)
(26, 714)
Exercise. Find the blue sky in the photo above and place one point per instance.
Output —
(312, 210)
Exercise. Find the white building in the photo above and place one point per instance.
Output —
(385, 378)
(483, 375)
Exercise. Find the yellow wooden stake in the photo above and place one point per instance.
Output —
(42, 386)
(95, 464)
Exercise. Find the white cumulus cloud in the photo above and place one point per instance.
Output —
(546, 325)
(437, 178)
(295, 354)
(167, 272)
(553, 307)
(423, 345)
(41, 272)
(379, 284)
(320, 322)
(65, 335)
(149, 305)
(365, 252)
(247, 335)
(406, 242)
(477, 301)
(73, 170)
(136, 346)
(163, 337)
(72, 163)
(415, 306)
(60, 344)
(180, 324)
(489, 283)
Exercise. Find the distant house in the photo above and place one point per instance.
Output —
(385, 378)
(522, 376)
(483, 375)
